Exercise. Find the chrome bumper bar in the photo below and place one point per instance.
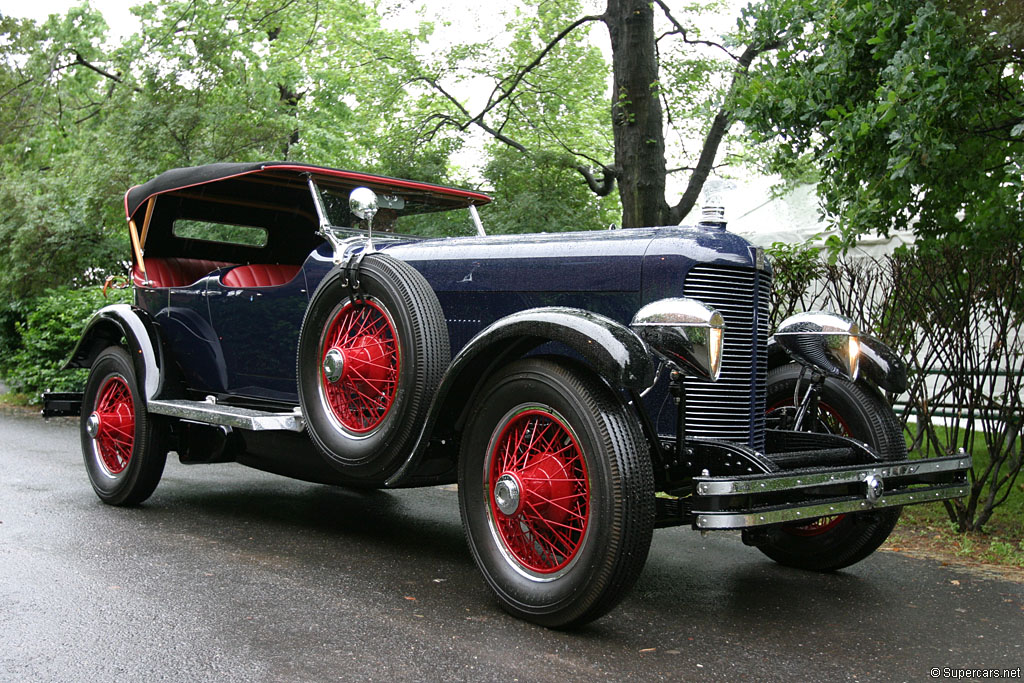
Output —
(754, 500)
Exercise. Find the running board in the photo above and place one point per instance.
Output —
(208, 412)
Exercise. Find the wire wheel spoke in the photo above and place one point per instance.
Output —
(537, 451)
(115, 432)
(365, 336)
(830, 421)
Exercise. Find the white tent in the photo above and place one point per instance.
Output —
(756, 213)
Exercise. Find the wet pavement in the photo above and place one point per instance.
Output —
(228, 574)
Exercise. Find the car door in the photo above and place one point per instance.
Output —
(257, 323)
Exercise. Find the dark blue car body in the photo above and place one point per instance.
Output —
(242, 342)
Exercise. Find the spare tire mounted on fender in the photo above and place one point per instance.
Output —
(369, 363)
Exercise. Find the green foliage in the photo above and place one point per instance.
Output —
(12, 317)
(1001, 541)
(549, 105)
(796, 269)
(912, 111)
(201, 82)
(556, 117)
(542, 196)
(37, 338)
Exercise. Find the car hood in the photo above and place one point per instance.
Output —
(607, 260)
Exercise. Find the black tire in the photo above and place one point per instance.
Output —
(848, 409)
(124, 447)
(585, 451)
(395, 342)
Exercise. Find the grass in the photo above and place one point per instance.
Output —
(928, 527)
(1000, 543)
(11, 399)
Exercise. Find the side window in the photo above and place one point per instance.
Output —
(244, 235)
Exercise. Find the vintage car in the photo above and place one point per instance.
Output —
(581, 388)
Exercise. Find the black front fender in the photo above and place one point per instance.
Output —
(880, 366)
(614, 351)
(611, 349)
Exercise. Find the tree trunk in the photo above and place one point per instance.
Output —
(637, 119)
(290, 98)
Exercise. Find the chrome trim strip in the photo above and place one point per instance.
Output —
(125, 314)
(743, 520)
(476, 221)
(318, 204)
(761, 483)
(229, 416)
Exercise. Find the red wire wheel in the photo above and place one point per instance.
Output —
(847, 409)
(368, 366)
(360, 365)
(832, 422)
(113, 421)
(556, 491)
(123, 447)
(539, 491)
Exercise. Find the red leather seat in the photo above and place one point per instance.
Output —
(175, 272)
(259, 275)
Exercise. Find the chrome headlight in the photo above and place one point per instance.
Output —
(685, 331)
(826, 341)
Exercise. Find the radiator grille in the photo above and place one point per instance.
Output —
(733, 407)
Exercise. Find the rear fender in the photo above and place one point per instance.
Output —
(112, 324)
(609, 348)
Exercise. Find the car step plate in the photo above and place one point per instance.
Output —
(229, 416)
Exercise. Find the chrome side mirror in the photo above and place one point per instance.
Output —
(362, 202)
(685, 332)
(826, 341)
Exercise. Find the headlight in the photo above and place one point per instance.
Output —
(685, 331)
(826, 341)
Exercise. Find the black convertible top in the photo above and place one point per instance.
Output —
(180, 178)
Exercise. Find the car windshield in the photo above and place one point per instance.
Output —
(404, 212)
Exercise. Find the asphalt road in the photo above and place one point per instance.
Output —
(228, 574)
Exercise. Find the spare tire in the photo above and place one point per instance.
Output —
(369, 365)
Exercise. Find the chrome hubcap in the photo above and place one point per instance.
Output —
(875, 488)
(92, 426)
(334, 365)
(506, 494)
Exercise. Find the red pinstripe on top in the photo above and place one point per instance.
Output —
(473, 197)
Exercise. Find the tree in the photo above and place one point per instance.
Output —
(910, 111)
(81, 121)
(52, 99)
(911, 115)
(637, 162)
(564, 103)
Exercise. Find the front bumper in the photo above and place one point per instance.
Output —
(806, 476)
(807, 494)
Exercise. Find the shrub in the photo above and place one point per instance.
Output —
(37, 337)
(12, 315)
(797, 273)
(955, 314)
